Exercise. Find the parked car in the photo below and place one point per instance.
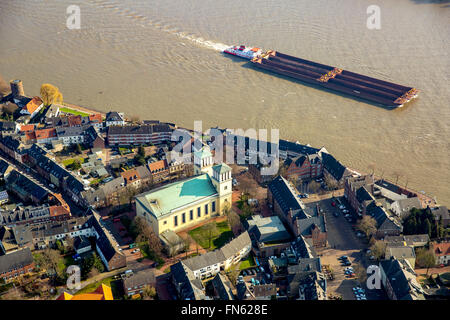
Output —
(342, 257)
(333, 204)
(345, 211)
(336, 214)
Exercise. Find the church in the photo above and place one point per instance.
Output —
(186, 203)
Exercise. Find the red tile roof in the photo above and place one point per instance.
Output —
(441, 249)
(157, 166)
(30, 136)
(33, 104)
(130, 175)
(97, 117)
(74, 121)
(27, 127)
(45, 133)
(57, 211)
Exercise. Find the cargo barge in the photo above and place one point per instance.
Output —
(386, 93)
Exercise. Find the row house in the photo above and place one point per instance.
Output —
(358, 191)
(15, 264)
(14, 148)
(25, 189)
(71, 135)
(159, 170)
(33, 215)
(333, 170)
(213, 262)
(304, 167)
(45, 136)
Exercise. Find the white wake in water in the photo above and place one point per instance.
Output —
(129, 13)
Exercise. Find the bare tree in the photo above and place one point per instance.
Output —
(314, 186)
(233, 275)
(211, 232)
(378, 249)
(368, 226)
(149, 292)
(426, 258)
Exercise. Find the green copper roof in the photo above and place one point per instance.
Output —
(166, 199)
(222, 168)
(203, 153)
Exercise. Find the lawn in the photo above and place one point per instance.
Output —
(247, 263)
(69, 161)
(223, 235)
(91, 287)
(75, 112)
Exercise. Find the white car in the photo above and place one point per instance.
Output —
(345, 211)
(341, 207)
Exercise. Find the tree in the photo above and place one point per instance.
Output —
(378, 249)
(314, 186)
(368, 226)
(331, 183)
(233, 275)
(97, 263)
(360, 272)
(78, 149)
(149, 292)
(425, 258)
(187, 244)
(50, 94)
(76, 164)
(49, 260)
(234, 221)
(141, 151)
(211, 232)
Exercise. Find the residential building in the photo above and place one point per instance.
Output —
(358, 192)
(159, 170)
(257, 171)
(399, 280)
(211, 263)
(45, 135)
(223, 288)
(16, 263)
(13, 147)
(24, 188)
(333, 170)
(114, 118)
(71, 135)
(32, 107)
(441, 214)
(307, 285)
(314, 228)
(182, 204)
(138, 281)
(404, 252)
(32, 214)
(188, 286)
(52, 111)
(304, 167)
(131, 178)
(442, 253)
(414, 240)
(138, 135)
(386, 225)
(402, 207)
(266, 291)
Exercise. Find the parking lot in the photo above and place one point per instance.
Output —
(342, 241)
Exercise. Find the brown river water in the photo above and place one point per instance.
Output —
(161, 59)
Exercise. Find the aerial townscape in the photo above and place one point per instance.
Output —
(96, 206)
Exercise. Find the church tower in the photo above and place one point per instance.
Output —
(203, 162)
(222, 181)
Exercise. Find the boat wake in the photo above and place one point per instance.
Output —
(140, 19)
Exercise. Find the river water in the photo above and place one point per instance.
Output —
(160, 59)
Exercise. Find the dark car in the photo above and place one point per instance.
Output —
(336, 214)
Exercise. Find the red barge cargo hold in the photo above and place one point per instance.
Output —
(386, 93)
